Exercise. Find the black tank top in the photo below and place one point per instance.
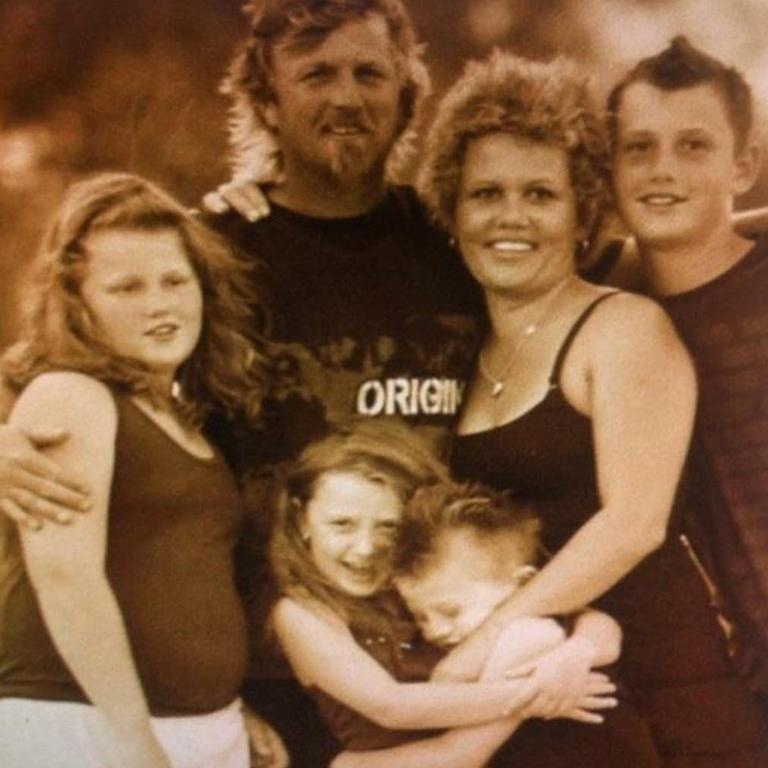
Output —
(674, 656)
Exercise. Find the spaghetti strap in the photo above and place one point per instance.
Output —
(554, 377)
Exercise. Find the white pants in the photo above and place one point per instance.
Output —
(54, 734)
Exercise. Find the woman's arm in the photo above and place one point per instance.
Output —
(324, 654)
(66, 565)
(629, 372)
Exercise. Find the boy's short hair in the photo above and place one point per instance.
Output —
(682, 65)
(447, 506)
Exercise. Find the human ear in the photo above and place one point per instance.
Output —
(300, 513)
(747, 166)
(524, 574)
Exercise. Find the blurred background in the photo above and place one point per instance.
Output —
(88, 85)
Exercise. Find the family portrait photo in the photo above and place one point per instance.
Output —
(383, 384)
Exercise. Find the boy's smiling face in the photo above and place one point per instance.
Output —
(676, 166)
(461, 584)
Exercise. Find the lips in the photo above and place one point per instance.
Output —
(162, 330)
(661, 200)
(344, 130)
(364, 574)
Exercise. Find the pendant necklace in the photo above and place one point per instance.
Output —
(498, 382)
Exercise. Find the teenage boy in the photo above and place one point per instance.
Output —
(682, 131)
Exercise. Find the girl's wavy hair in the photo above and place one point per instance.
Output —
(382, 451)
(545, 103)
(448, 506)
(226, 368)
(248, 81)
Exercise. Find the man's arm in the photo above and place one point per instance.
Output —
(33, 487)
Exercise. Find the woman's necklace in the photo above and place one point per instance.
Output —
(498, 381)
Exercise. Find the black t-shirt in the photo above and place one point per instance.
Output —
(371, 316)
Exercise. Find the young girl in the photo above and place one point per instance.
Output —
(344, 631)
(134, 334)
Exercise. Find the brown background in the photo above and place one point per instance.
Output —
(132, 84)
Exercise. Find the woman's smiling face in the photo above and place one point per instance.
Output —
(349, 526)
(515, 219)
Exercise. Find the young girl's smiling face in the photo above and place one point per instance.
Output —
(349, 525)
(465, 578)
(144, 296)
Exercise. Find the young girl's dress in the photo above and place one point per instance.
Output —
(675, 656)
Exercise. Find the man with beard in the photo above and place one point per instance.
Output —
(324, 92)
(324, 96)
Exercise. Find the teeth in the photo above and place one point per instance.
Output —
(344, 130)
(661, 199)
(512, 246)
(162, 330)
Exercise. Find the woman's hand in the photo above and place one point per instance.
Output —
(267, 748)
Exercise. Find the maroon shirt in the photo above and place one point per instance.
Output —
(173, 522)
(724, 323)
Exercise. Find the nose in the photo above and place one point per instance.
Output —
(363, 545)
(663, 164)
(158, 301)
(512, 212)
(345, 91)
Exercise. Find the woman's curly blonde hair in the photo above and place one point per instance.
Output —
(546, 103)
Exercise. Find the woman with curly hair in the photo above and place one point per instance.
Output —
(583, 401)
(123, 639)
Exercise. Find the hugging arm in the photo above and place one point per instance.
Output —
(324, 654)
(522, 642)
(66, 565)
(635, 380)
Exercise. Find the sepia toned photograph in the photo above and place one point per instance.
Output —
(384, 384)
